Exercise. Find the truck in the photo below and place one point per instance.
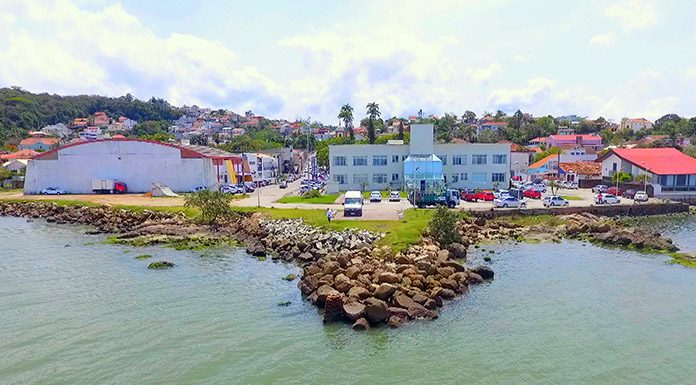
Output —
(353, 204)
(448, 197)
(108, 186)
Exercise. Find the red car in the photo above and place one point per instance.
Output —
(469, 195)
(614, 191)
(531, 193)
(485, 196)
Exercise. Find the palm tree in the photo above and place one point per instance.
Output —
(346, 114)
(400, 134)
(372, 113)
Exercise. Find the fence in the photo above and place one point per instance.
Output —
(617, 210)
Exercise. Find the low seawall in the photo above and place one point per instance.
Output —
(617, 210)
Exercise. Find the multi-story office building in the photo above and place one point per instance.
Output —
(381, 166)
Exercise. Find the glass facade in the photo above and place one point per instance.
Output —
(423, 173)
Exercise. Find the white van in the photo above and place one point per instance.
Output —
(353, 204)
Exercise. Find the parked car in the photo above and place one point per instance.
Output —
(485, 196)
(607, 199)
(394, 196)
(53, 191)
(614, 191)
(353, 204)
(534, 194)
(509, 201)
(555, 200)
(375, 196)
(283, 184)
(539, 187)
(501, 193)
(230, 189)
(469, 195)
(629, 193)
(640, 196)
(600, 188)
(198, 189)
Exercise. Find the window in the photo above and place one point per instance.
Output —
(340, 178)
(455, 178)
(339, 160)
(359, 179)
(681, 180)
(498, 177)
(379, 178)
(395, 159)
(379, 160)
(500, 159)
(479, 159)
(464, 176)
(403, 157)
(457, 160)
(360, 160)
(478, 177)
(443, 158)
(395, 177)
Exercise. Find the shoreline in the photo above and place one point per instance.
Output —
(345, 272)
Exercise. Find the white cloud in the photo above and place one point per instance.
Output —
(484, 73)
(604, 40)
(633, 14)
(510, 98)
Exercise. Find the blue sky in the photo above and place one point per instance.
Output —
(299, 58)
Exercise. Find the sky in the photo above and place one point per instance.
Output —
(306, 58)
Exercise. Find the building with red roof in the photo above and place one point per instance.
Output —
(38, 144)
(585, 140)
(21, 154)
(669, 170)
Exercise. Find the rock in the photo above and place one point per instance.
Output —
(432, 304)
(457, 250)
(343, 258)
(257, 250)
(484, 271)
(290, 277)
(284, 303)
(323, 292)
(420, 298)
(402, 300)
(418, 311)
(473, 278)
(352, 272)
(305, 256)
(354, 310)
(160, 265)
(447, 294)
(342, 283)
(395, 322)
(384, 291)
(358, 292)
(376, 311)
(458, 267)
(361, 324)
(333, 308)
(443, 255)
(398, 312)
(389, 277)
(402, 259)
(309, 284)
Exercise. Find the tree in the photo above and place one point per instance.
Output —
(158, 137)
(400, 134)
(444, 127)
(621, 177)
(5, 174)
(150, 127)
(500, 115)
(541, 155)
(443, 226)
(213, 205)
(517, 119)
(488, 136)
(346, 114)
(664, 119)
(372, 114)
(200, 140)
(469, 117)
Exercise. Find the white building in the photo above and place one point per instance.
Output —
(262, 167)
(138, 163)
(635, 124)
(381, 166)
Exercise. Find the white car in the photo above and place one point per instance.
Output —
(501, 193)
(539, 187)
(640, 196)
(604, 198)
(555, 200)
(375, 196)
(509, 201)
(52, 191)
(394, 196)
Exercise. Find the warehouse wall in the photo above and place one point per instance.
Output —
(138, 164)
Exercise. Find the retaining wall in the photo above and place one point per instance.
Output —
(617, 210)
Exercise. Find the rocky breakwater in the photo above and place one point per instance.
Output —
(371, 286)
(606, 231)
(293, 240)
(103, 218)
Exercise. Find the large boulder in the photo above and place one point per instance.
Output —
(333, 308)
(457, 250)
(484, 271)
(361, 324)
(384, 291)
(358, 292)
(376, 311)
(323, 292)
(418, 311)
(342, 283)
(389, 277)
(402, 300)
(352, 272)
(395, 322)
(354, 310)
(458, 267)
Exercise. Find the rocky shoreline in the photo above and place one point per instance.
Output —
(345, 273)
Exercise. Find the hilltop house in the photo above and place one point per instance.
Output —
(38, 144)
(635, 124)
(585, 140)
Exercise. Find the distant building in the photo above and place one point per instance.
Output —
(100, 119)
(38, 144)
(585, 140)
(490, 125)
(21, 154)
(15, 165)
(577, 171)
(538, 141)
(565, 130)
(635, 124)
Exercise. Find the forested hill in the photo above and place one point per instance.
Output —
(21, 111)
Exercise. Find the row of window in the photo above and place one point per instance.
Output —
(477, 177)
(381, 160)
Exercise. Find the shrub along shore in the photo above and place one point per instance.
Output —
(367, 277)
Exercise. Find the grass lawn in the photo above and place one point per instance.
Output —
(385, 194)
(324, 199)
(571, 197)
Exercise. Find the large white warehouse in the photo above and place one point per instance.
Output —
(138, 163)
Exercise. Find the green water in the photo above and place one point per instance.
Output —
(555, 314)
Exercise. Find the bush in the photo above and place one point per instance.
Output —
(312, 194)
(213, 204)
(621, 177)
(443, 226)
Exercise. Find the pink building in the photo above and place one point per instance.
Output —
(585, 140)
